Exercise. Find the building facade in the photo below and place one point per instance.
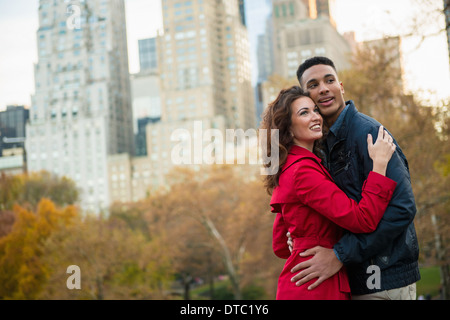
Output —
(303, 29)
(205, 72)
(204, 89)
(81, 110)
(146, 96)
(12, 127)
(12, 140)
(204, 61)
(304, 39)
(148, 55)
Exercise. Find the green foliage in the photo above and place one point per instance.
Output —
(429, 283)
(250, 292)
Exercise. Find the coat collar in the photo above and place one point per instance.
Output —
(297, 153)
(342, 130)
(301, 152)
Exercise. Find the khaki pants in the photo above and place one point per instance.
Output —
(404, 293)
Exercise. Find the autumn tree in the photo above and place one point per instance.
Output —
(218, 211)
(116, 262)
(10, 189)
(29, 189)
(22, 270)
(7, 219)
(428, 19)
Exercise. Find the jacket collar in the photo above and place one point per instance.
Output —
(301, 152)
(342, 129)
(297, 153)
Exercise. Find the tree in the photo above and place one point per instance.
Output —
(428, 20)
(116, 262)
(215, 211)
(61, 190)
(29, 189)
(7, 219)
(22, 271)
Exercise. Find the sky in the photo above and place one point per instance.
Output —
(426, 68)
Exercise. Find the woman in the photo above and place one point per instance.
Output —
(308, 203)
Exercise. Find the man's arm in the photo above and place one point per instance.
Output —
(323, 265)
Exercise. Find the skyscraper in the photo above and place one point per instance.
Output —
(303, 29)
(321, 8)
(205, 72)
(148, 55)
(205, 62)
(81, 110)
(12, 137)
(12, 127)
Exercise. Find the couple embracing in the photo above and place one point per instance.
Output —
(342, 196)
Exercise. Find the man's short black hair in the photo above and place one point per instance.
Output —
(313, 62)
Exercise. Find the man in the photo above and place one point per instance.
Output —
(382, 264)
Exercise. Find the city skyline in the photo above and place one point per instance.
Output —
(144, 18)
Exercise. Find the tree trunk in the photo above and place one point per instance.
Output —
(234, 277)
(187, 281)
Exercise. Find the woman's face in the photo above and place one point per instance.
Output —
(306, 122)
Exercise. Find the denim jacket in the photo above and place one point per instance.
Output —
(393, 246)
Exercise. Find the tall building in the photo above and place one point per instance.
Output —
(303, 29)
(145, 92)
(204, 61)
(265, 62)
(12, 127)
(146, 100)
(321, 8)
(12, 137)
(148, 57)
(205, 83)
(242, 12)
(265, 51)
(81, 111)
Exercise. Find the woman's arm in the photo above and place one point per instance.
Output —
(279, 244)
(317, 191)
(324, 196)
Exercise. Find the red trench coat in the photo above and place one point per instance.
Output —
(314, 210)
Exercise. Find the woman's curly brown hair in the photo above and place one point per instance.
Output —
(278, 116)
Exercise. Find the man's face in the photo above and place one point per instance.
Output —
(323, 85)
